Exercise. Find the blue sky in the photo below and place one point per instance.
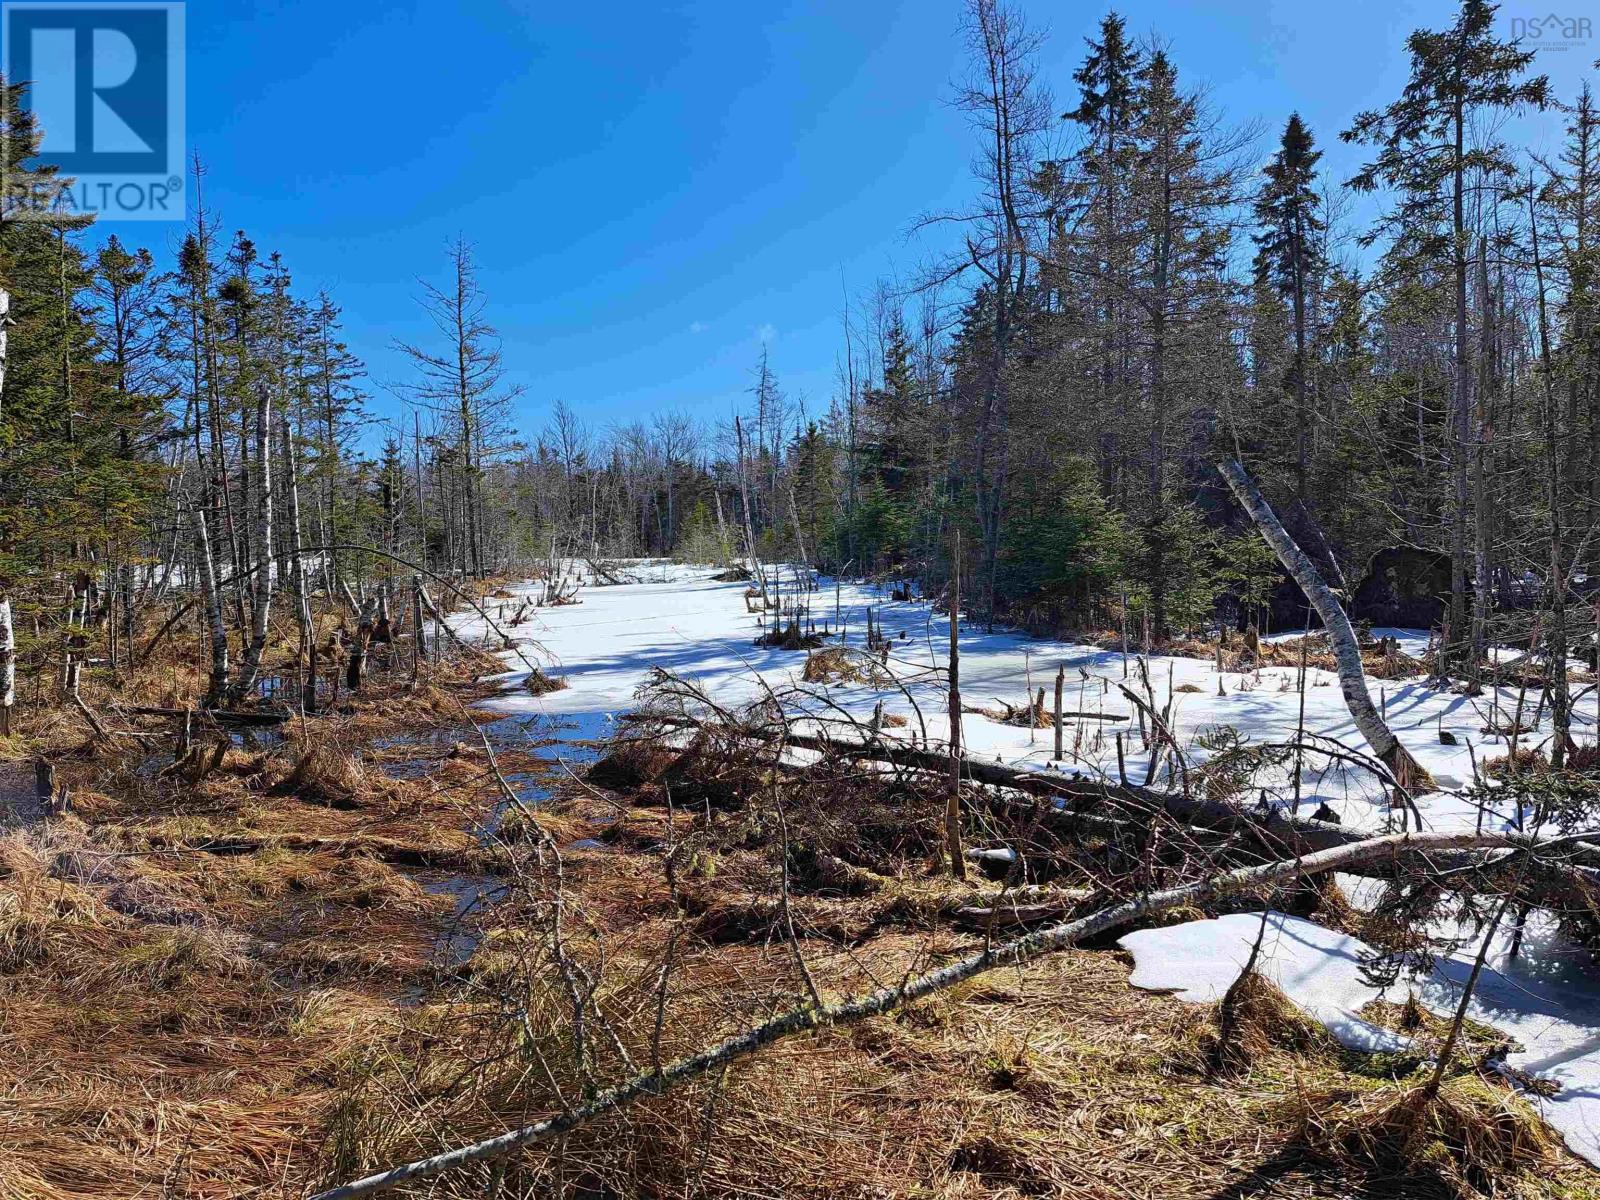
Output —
(656, 191)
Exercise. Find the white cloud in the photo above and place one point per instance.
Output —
(698, 327)
(767, 332)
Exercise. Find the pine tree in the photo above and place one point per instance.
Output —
(1182, 191)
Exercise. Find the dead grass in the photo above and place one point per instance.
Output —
(540, 684)
(833, 665)
(325, 774)
(790, 637)
(236, 987)
(1473, 1139)
(1253, 1018)
(1582, 760)
(185, 960)
(1379, 660)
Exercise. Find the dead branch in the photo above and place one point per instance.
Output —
(861, 1007)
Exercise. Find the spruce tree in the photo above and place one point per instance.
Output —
(1461, 78)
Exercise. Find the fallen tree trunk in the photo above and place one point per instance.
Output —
(220, 716)
(1341, 637)
(602, 575)
(1289, 834)
(1564, 887)
(871, 1004)
(1278, 834)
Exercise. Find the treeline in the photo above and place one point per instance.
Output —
(1138, 295)
(1141, 290)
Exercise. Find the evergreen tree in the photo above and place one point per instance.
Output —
(1289, 260)
(1461, 77)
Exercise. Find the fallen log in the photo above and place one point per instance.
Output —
(1290, 834)
(1011, 915)
(860, 1007)
(220, 716)
(1565, 887)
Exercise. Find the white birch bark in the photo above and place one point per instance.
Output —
(1341, 637)
(8, 664)
(266, 576)
(722, 529)
(5, 320)
(212, 602)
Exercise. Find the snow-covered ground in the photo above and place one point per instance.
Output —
(1547, 999)
(681, 620)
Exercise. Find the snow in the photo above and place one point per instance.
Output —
(681, 620)
(1547, 1000)
(678, 618)
(1318, 969)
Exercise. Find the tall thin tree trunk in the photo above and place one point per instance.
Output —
(266, 574)
(749, 525)
(297, 568)
(722, 529)
(212, 603)
(952, 811)
(1560, 705)
(1461, 391)
(5, 321)
(8, 665)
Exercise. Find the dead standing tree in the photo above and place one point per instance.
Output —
(265, 580)
(952, 814)
(749, 525)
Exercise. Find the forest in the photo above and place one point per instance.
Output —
(424, 778)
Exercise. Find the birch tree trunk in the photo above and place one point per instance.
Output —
(1341, 637)
(218, 686)
(297, 567)
(266, 576)
(8, 665)
(799, 534)
(722, 529)
(5, 320)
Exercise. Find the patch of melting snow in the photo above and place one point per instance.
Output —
(993, 854)
(1547, 1000)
